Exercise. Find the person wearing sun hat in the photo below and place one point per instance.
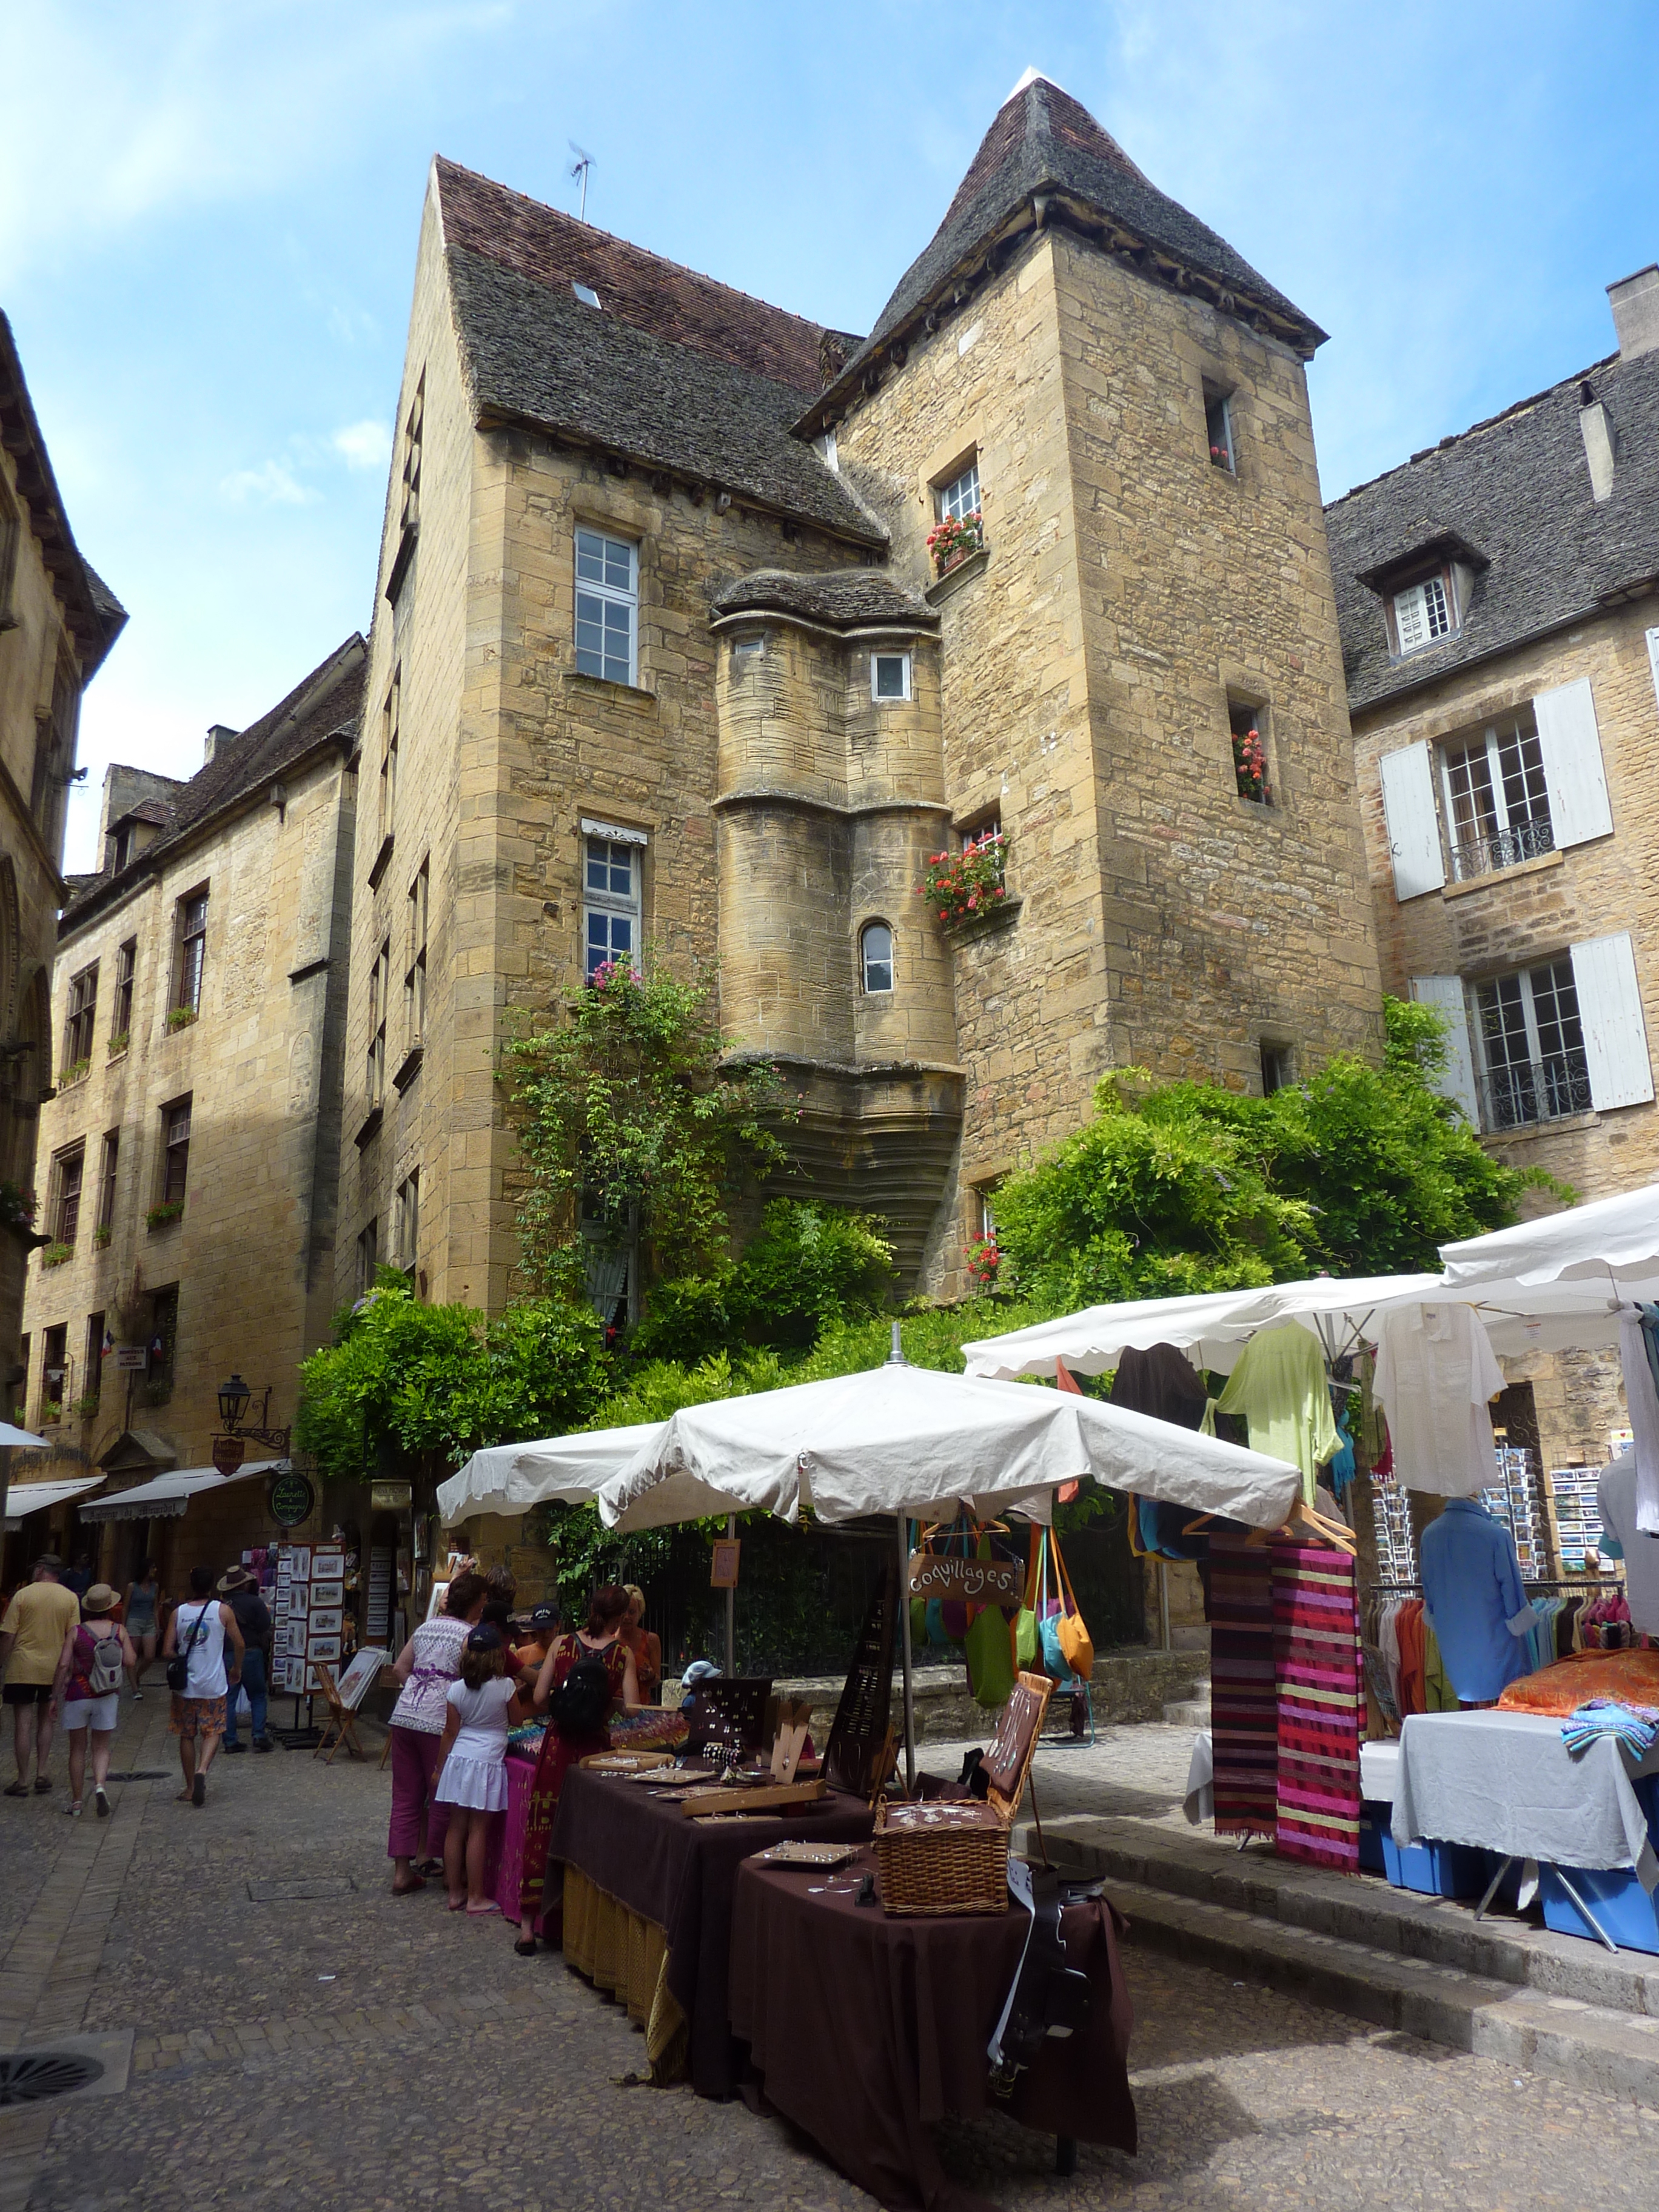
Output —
(96, 1651)
(240, 1591)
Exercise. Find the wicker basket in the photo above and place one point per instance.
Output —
(954, 1860)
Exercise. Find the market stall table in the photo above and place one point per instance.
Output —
(679, 1875)
(865, 2029)
(1505, 1782)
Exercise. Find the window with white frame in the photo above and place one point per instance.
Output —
(610, 900)
(1497, 803)
(1423, 613)
(1532, 1046)
(889, 676)
(958, 500)
(876, 956)
(607, 606)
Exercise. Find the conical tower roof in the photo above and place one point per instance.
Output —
(1042, 144)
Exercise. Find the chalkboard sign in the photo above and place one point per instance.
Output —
(976, 1581)
(859, 1740)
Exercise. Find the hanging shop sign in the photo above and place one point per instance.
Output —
(391, 1497)
(723, 1563)
(290, 1498)
(132, 1358)
(976, 1581)
(229, 1453)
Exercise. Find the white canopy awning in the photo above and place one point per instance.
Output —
(1214, 1325)
(13, 1439)
(909, 1440)
(169, 1495)
(26, 1497)
(1612, 1246)
(556, 1470)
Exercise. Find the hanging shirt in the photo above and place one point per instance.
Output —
(1476, 1605)
(1635, 1351)
(1616, 1501)
(1435, 1374)
(1280, 1387)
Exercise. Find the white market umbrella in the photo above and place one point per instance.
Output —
(1611, 1244)
(553, 1470)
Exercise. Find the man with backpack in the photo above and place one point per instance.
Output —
(95, 1651)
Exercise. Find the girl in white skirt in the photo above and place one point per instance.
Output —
(471, 1776)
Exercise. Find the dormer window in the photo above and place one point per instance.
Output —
(586, 294)
(1424, 613)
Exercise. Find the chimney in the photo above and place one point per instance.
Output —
(1597, 433)
(218, 736)
(1635, 304)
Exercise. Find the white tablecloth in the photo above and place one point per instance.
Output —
(1379, 1771)
(1200, 1803)
(1506, 1781)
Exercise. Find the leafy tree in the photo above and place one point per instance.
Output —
(806, 1267)
(1187, 1186)
(624, 1105)
(413, 1378)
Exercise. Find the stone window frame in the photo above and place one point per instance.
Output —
(81, 1015)
(406, 1223)
(901, 697)
(11, 537)
(1220, 426)
(69, 1184)
(190, 928)
(126, 975)
(109, 1167)
(415, 977)
(1244, 699)
(368, 1249)
(866, 989)
(949, 495)
(379, 992)
(92, 1378)
(54, 1353)
(1277, 1060)
(177, 1114)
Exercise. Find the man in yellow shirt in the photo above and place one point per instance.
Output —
(38, 1618)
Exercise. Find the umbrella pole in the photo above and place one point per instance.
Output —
(904, 1628)
(731, 1610)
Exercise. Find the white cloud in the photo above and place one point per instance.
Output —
(366, 445)
(273, 483)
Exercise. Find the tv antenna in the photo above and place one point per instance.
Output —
(579, 167)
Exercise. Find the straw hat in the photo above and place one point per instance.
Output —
(234, 1579)
(101, 1598)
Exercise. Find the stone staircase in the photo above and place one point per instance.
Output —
(1192, 1711)
(1552, 2005)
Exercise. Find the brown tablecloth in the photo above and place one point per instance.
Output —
(865, 2029)
(682, 1874)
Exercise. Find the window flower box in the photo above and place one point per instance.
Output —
(100, 1239)
(86, 1407)
(953, 541)
(53, 1255)
(163, 1217)
(964, 886)
(117, 1046)
(181, 1018)
(982, 1260)
(76, 1072)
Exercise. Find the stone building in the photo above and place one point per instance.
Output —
(1500, 633)
(190, 1151)
(57, 621)
(658, 656)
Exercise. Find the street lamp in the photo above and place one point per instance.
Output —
(234, 1398)
(232, 1402)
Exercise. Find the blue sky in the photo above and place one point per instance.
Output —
(208, 218)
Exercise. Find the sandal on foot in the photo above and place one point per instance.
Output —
(100, 1803)
(408, 1888)
(456, 1903)
(73, 1811)
(478, 1911)
(430, 1868)
(198, 1790)
(42, 1787)
(16, 1789)
(526, 1946)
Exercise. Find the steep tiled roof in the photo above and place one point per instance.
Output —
(1517, 490)
(1043, 141)
(326, 704)
(535, 354)
(95, 615)
(840, 599)
(640, 288)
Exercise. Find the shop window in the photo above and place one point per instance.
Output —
(607, 606)
(876, 956)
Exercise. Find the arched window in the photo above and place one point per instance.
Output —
(876, 956)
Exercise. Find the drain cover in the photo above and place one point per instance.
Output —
(141, 1774)
(35, 2075)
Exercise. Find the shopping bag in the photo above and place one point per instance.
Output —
(990, 1649)
(1027, 1639)
(918, 1622)
(1070, 1630)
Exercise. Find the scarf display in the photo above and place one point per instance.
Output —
(1316, 1671)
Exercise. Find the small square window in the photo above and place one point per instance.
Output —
(1219, 430)
(1276, 1068)
(889, 676)
(958, 500)
(748, 648)
(586, 294)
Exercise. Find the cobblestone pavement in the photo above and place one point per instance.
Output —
(351, 2049)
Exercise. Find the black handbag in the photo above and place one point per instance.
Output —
(178, 1669)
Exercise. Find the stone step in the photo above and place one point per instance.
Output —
(1560, 2039)
(1360, 1911)
(1192, 1712)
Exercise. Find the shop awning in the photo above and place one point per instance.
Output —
(169, 1495)
(562, 1470)
(23, 1499)
(909, 1440)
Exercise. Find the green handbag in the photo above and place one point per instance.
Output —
(990, 1648)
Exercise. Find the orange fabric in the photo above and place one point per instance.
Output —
(1414, 1673)
(1562, 1687)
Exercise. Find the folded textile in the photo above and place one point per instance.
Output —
(1636, 1727)
(1631, 1677)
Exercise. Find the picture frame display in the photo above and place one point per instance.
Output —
(323, 1647)
(322, 1623)
(326, 1594)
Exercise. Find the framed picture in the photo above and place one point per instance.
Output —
(323, 1647)
(723, 1563)
(293, 1674)
(332, 1593)
(320, 1623)
(327, 1566)
(355, 1680)
(299, 1599)
(434, 1604)
(295, 1645)
(299, 1560)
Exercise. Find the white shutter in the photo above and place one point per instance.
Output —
(1653, 659)
(1610, 1010)
(1413, 825)
(1456, 1080)
(1572, 748)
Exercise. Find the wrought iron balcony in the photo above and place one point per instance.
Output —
(1526, 1091)
(1504, 848)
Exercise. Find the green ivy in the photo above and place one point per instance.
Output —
(806, 1267)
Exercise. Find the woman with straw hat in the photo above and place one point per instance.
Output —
(88, 1687)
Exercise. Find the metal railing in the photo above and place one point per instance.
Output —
(1504, 848)
(1531, 1090)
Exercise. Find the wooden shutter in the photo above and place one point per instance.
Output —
(1413, 824)
(1610, 1013)
(1571, 746)
(1653, 660)
(1456, 1080)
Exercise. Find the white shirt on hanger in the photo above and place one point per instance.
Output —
(1435, 1372)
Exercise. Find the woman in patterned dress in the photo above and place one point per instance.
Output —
(539, 1904)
